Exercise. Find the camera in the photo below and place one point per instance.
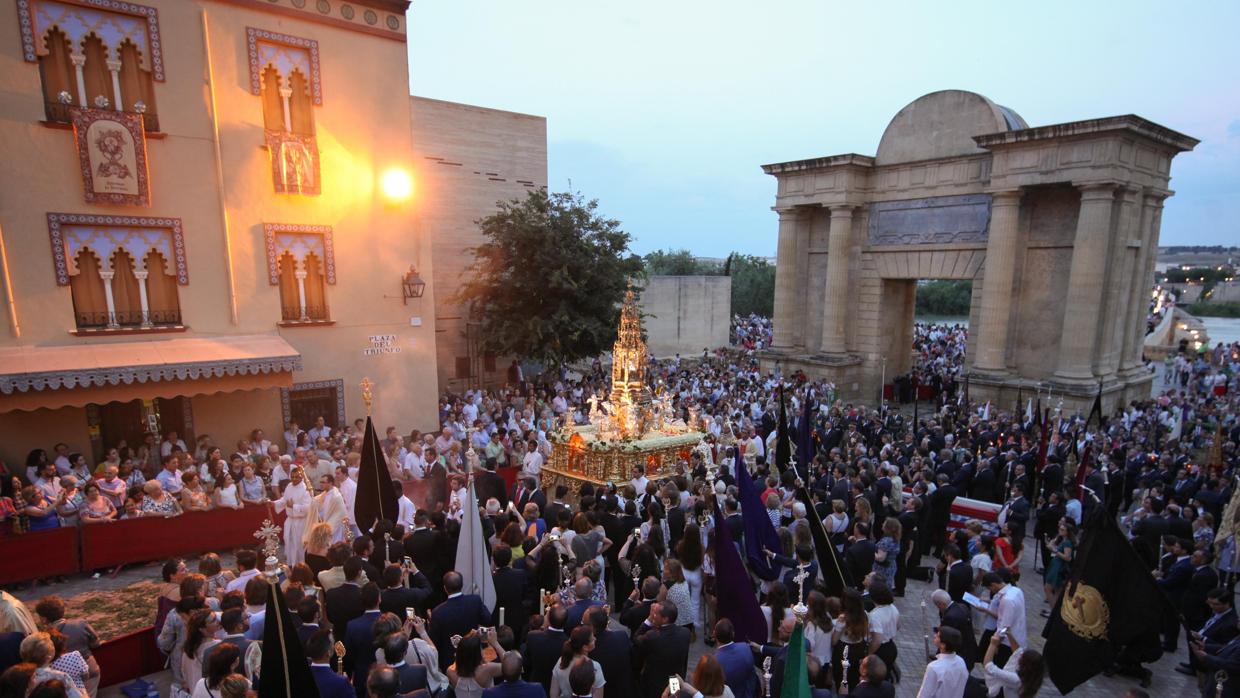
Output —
(408, 561)
(411, 612)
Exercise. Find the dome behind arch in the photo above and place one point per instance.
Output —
(942, 125)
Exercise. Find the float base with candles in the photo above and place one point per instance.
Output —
(631, 428)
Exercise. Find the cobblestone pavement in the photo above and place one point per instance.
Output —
(1167, 682)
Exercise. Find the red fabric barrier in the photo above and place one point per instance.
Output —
(129, 656)
(39, 554)
(156, 538)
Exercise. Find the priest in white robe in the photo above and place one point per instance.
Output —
(297, 502)
(329, 508)
(348, 491)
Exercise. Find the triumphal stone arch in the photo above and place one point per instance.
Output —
(1056, 227)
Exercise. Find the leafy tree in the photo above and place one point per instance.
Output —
(753, 284)
(944, 297)
(678, 263)
(548, 282)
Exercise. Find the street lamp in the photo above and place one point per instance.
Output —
(412, 285)
(396, 185)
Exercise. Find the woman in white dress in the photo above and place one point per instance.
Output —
(226, 495)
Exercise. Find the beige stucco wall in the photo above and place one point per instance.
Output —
(362, 130)
(22, 432)
(685, 314)
(467, 158)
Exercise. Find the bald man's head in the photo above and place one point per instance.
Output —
(584, 588)
(511, 664)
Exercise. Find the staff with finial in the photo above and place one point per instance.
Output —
(799, 609)
(766, 677)
(340, 652)
(367, 396)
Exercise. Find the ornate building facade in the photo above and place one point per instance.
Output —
(194, 233)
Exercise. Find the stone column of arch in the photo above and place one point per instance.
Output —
(834, 337)
(997, 288)
(1082, 308)
(1138, 302)
(785, 279)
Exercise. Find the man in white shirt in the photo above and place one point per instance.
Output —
(247, 568)
(405, 509)
(63, 466)
(320, 430)
(639, 480)
(946, 676)
(531, 465)
(171, 443)
(1011, 612)
(290, 437)
(414, 463)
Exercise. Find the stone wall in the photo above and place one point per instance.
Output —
(685, 314)
(467, 159)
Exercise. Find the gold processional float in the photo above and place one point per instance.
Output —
(628, 429)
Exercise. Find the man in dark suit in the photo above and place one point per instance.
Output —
(524, 491)
(957, 575)
(429, 552)
(736, 660)
(489, 485)
(344, 603)
(859, 553)
(612, 651)
(985, 486)
(636, 611)
(457, 615)
(1051, 476)
(958, 615)
(1193, 601)
(359, 640)
(512, 593)
(1218, 629)
(513, 686)
(551, 512)
(404, 588)
(1225, 658)
(661, 652)
(330, 684)
(1017, 510)
(1175, 582)
(412, 676)
(940, 513)
(873, 682)
(583, 590)
(732, 517)
(804, 559)
(308, 613)
(543, 648)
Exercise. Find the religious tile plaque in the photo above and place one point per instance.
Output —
(112, 150)
(929, 221)
(294, 163)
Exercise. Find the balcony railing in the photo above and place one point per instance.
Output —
(62, 113)
(314, 313)
(128, 319)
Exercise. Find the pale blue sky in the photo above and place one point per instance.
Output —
(664, 111)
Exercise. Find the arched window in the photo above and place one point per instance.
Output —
(161, 291)
(316, 288)
(300, 105)
(273, 105)
(87, 52)
(90, 303)
(290, 295)
(126, 295)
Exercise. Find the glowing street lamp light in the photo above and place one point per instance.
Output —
(396, 185)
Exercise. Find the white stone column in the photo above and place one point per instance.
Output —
(286, 94)
(301, 293)
(1082, 307)
(114, 67)
(835, 303)
(141, 275)
(79, 64)
(1142, 283)
(997, 284)
(785, 280)
(107, 277)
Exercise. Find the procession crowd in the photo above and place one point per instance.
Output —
(603, 594)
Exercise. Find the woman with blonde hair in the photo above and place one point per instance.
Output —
(317, 542)
(676, 592)
(38, 649)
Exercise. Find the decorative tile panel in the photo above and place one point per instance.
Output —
(104, 235)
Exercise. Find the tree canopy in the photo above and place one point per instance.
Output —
(548, 282)
(679, 263)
